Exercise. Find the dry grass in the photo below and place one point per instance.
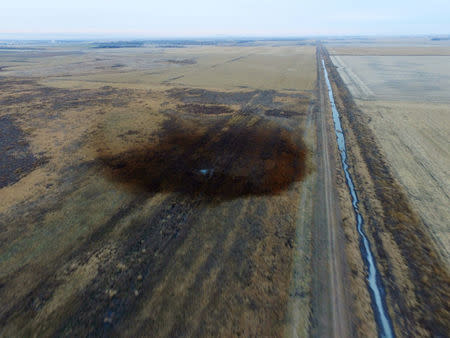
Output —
(213, 67)
(80, 254)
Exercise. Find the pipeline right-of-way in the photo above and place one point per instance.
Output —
(375, 285)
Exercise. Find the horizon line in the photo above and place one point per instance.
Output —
(142, 37)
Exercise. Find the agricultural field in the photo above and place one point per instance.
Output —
(404, 93)
(153, 189)
(195, 188)
(397, 160)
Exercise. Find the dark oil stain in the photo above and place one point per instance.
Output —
(189, 95)
(193, 108)
(281, 113)
(222, 160)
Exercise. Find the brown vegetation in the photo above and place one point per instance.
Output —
(104, 238)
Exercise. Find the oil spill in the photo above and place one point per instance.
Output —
(282, 113)
(193, 108)
(216, 160)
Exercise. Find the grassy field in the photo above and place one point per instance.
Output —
(208, 67)
(99, 232)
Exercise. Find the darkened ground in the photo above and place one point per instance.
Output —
(182, 223)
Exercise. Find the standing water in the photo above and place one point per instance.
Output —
(374, 279)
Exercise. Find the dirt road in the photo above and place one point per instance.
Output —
(329, 302)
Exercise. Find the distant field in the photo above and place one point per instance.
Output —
(390, 50)
(396, 78)
(407, 100)
(290, 68)
(398, 43)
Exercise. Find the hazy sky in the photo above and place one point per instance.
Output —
(166, 18)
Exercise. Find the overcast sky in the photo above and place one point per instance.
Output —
(187, 18)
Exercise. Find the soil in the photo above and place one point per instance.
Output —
(221, 160)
